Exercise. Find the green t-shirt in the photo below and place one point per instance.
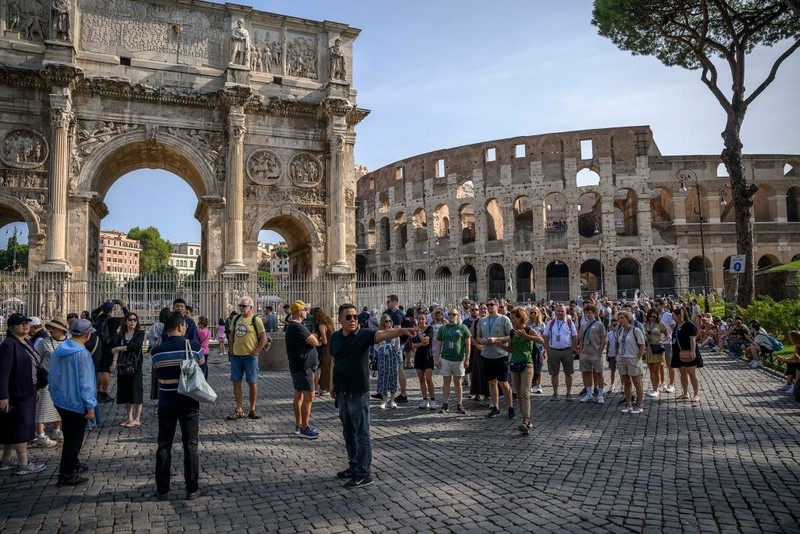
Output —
(453, 337)
(522, 348)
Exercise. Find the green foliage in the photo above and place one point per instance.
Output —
(155, 251)
(7, 257)
(283, 252)
(777, 318)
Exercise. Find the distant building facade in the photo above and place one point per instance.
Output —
(118, 255)
(185, 257)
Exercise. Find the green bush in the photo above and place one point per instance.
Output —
(777, 318)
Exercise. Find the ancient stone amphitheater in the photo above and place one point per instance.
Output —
(556, 215)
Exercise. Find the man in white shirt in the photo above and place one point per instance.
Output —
(630, 349)
(561, 344)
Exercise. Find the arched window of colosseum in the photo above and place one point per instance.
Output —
(727, 213)
(793, 204)
(525, 283)
(401, 227)
(419, 275)
(401, 275)
(420, 223)
(558, 281)
(664, 277)
(386, 234)
(361, 235)
(587, 177)
(591, 276)
(661, 205)
(383, 203)
(467, 215)
(555, 213)
(788, 170)
(494, 221)
(465, 189)
(767, 260)
(625, 213)
(497, 281)
(372, 238)
(443, 273)
(627, 278)
(386, 276)
(697, 274)
(590, 215)
(722, 171)
(523, 222)
(762, 210)
(468, 271)
(441, 222)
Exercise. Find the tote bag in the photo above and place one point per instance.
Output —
(192, 383)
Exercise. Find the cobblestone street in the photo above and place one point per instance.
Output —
(729, 465)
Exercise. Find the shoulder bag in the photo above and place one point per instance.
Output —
(191, 382)
(126, 366)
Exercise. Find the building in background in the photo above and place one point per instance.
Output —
(119, 256)
(274, 258)
(185, 257)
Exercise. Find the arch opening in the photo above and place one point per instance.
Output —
(664, 277)
(558, 281)
(497, 281)
(526, 291)
(627, 278)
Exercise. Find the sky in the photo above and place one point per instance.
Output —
(443, 73)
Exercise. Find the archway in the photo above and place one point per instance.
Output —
(523, 223)
(525, 283)
(294, 230)
(698, 267)
(443, 273)
(558, 281)
(472, 280)
(402, 230)
(467, 215)
(386, 234)
(625, 212)
(419, 275)
(793, 204)
(494, 220)
(664, 277)
(361, 265)
(590, 215)
(591, 277)
(497, 281)
(767, 260)
(20, 234)
(627, 278)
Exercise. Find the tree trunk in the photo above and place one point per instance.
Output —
(742, 203)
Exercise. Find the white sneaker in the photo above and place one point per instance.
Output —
(669, 389)
(612, 388)
(538, 389)
(756, 364)
(57, 435)
(637, 411)
(383, 405)
(424, 405)
(392, 405)
(784, 388)
(432, 405)
(587, 397)
(31, 469)
(44, 442)
(600, 399)
(652, 394)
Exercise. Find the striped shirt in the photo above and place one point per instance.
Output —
(167, 358)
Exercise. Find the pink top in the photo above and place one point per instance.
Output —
(220, 332)
(204, 334)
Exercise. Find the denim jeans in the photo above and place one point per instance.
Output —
(190, 426)
(354, 415)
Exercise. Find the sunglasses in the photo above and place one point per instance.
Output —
(351, 317)
(244, 305)
(133, 320)
(483, 309)
(453, 314)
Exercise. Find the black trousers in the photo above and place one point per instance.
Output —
(168, 419)
(73, 425)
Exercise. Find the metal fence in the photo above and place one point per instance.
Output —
(52, 294)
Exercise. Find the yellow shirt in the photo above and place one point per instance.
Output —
(245, 335)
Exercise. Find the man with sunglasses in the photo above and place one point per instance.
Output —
(350, 352)
(452, 357)
(248, 338)
(492, 333)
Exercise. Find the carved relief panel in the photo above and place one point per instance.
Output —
(301, 55)
(24, 149)
(266, 52)
(89, 136)
(264, 167)
(305, 170)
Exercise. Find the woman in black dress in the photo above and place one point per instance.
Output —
(127, 353)
(18, 396)
(686, 355)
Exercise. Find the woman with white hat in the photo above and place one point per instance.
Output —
(46, 412)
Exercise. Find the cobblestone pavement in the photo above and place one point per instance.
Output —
(729, 465)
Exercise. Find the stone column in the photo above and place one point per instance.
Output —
(234, 192)
(60, 118)
(337, 238)
(711, 210)
(777, 206)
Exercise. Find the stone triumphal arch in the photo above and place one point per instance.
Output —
(254, 110)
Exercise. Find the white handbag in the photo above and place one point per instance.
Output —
(192, 383)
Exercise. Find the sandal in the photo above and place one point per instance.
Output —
(125, 423)
(696, 400)
(685, 396)
(133, 424)
(234, 415)
(254, 415)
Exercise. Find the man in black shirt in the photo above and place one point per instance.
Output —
(350, 351)
(301, 348)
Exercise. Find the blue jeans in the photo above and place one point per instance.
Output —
(354, 415)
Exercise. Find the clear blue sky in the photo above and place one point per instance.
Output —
(442, 73)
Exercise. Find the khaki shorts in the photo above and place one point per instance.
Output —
(451, 368)
(629, 366)
(590, 363)
(558, 357)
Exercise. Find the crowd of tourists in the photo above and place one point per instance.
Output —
(55, 373)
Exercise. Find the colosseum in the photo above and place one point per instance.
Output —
(557, 215)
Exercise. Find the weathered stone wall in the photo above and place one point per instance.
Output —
(631, 216)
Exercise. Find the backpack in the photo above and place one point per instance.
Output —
(255, 326)
(774, 343)
(569, 325)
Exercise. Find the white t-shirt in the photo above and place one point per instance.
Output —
(629, 342)
(559, 333)
(668, 321)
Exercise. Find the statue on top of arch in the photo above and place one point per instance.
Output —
(61, 25)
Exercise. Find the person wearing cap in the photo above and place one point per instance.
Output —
(46, 412)
(37, 332)
(18, 395)
(74, 393)
(248, 337)
(301, 348)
